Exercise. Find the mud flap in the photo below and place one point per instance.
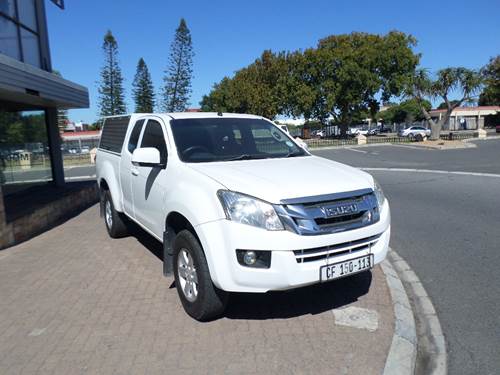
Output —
(168, 252)
(101, 203)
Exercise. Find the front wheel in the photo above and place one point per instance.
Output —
(200, 298)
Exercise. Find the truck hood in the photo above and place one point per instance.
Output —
(284, 178)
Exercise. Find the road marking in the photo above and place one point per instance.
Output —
(351, 149)
(356, 317)
(436, 171)
(79, 177)
(37, 332)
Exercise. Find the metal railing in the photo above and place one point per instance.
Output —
(334, 142)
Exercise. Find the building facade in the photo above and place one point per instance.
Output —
(465, 118)
(30, 95)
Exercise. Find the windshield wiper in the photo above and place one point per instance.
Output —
(291, 154)
(246, 157)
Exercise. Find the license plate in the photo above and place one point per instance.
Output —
(348, 267)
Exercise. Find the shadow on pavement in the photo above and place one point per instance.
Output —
(146, 240)
(313, 299)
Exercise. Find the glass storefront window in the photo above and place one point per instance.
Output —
(9, 42)
(24, 150)
(31, 51)
(8, 7)
(20, 21)
(27, 14)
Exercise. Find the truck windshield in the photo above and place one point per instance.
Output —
(226, 139)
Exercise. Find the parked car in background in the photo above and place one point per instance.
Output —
(498, 128)
(374, 131)
(354, 132)
(320, 133)
(85, 150)
(412, 132)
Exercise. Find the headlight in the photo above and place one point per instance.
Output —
(248, 210)
(379, 194)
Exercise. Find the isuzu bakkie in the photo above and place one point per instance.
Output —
(238, 205)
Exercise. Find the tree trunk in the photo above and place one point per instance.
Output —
(436, 130)
(343, 130)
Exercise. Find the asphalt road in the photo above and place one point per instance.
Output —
(447, 227)
(70, 173)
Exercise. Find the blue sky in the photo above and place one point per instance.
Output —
(228, 35)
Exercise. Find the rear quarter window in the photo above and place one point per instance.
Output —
(113, 133)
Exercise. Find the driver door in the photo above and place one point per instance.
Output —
(149, 184)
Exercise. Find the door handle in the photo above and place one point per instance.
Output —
(134, 171)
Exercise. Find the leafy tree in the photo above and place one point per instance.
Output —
(308, 93)
(111, 93)
(405, 112)
(362, 66)
(465, 81)
(443, 105)
(179, 73)
(259, 88)
(491, 75)
(143, 91)
(343, 77)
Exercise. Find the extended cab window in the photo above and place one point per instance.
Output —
(134, 136)
(153, 137)
(113, 133)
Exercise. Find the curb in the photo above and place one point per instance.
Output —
(403, 352)
(414, 313)
(481, 139)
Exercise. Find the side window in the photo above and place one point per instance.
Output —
(153, 137)
(134, 136)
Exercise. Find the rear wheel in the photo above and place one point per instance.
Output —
(115, 221)
(200, 298)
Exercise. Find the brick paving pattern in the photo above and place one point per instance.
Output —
(73, 301)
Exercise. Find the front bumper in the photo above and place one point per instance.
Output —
(221, 238)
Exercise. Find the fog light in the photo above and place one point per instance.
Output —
(254, 258)
(249, 258)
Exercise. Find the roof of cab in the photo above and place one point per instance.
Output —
(186, 115)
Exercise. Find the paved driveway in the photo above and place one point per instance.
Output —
(74, 301)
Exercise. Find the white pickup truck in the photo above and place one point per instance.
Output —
(237, 204)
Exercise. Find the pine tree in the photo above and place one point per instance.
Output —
(111, 93)
(179, 73)
(143, 91)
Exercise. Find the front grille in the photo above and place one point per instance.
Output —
(336, 220)
(329, 214)
(332, 251)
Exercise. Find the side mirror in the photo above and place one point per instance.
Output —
(147, 157)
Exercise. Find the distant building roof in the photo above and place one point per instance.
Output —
(68, 136)
(193, 110)
(483, 110)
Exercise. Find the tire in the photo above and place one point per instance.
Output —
(201, 300)
(114, 220)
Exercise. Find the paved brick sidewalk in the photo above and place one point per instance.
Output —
(73, 301)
